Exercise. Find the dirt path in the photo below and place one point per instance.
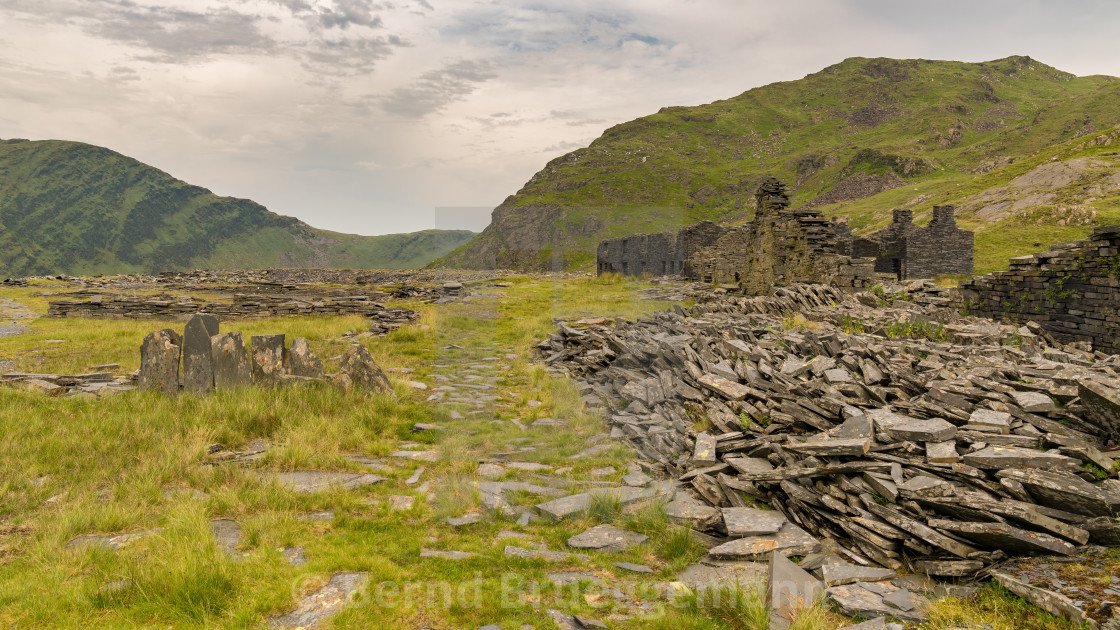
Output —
(13, 317)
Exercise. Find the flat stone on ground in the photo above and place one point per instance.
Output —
(543, 554)
(606, 538)
(840, 574)
(922, 430)
(790, 540)
(446, 555)
(227, 533)
(420, 456)
(636, 568)
(317, 480)
(1033, 402)
(323, 603)
(399, 503)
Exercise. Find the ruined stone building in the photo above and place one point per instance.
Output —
(908, 251)
(778, 247)
(781, 246)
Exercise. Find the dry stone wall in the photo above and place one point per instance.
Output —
(1073, 290)
(908, 251)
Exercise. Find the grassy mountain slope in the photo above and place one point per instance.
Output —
(68, 207)
(855, 139)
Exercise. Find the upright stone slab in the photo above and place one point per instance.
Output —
(789, 589)
(230, 361)
(268, 358)
(362, 372)
(159, 361)
(198, 371)
(303, 362)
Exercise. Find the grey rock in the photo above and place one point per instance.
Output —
(705, 451)
(198, 369)
(108, 541)
(559, 509)
(159, 362)
(635, 568)
(1102, 406)
(790, 540)
(1065, 491)
(704, 576)
(1054, 603)
(308, 481)
(303, 362)
(323, 603)
(469, 518)
(922, 430)
(789, 588)
(745, 521)
(446, 555)
(949, 568)
(358, 370)
(230, 361)
(857, 599)
(267, 358)
(840, 574)
(543, 554)
(606, 538)
(1005, 537)
(227, 533)
(996, 420)
(1004, 457)
(942, 452)
(693, 514)
(1033, 402)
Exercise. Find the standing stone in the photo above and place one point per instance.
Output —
(159, 361)
(302, 362)
(358, 368)
(268, 358)
(230, 361)
(198, 371)
(789, 589)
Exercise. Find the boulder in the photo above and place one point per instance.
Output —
(362, 372)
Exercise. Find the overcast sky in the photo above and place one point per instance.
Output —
(365, 116)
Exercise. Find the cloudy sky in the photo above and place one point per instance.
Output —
(379, 116)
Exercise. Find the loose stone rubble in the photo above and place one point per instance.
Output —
(871, 453)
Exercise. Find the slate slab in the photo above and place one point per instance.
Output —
(922, 430)
(318, 480)
(1005, 537)
(302, 361)
(789, 589)
(198, 369)
(704, 576)
(230, 361)
(543, 554)
(267, 358)
(227, 533)
(790, 540)
(606, 538)
(323, 603)
(1004, 457)
(1054, 603)
(840, 574)
(1102, 406)
(358, 370)
(159, 362)
(1065, 491)
(1033, 402)
(741, 522)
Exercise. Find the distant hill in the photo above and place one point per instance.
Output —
(1028, 153)
(74, 208)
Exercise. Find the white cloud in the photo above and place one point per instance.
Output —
(365, 115)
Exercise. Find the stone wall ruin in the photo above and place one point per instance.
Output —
(1072, 291)
(781, 246)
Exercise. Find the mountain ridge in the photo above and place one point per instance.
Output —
(78, 208)
(852, 139)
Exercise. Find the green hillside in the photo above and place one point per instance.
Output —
(68, 207)
(855, 139)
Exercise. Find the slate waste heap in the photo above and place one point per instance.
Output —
(211, 360)
(868, 439)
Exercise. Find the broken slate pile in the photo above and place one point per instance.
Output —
(211, 360)
(90, 384)
(907, 454)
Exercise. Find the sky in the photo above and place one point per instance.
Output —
(384, 116)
